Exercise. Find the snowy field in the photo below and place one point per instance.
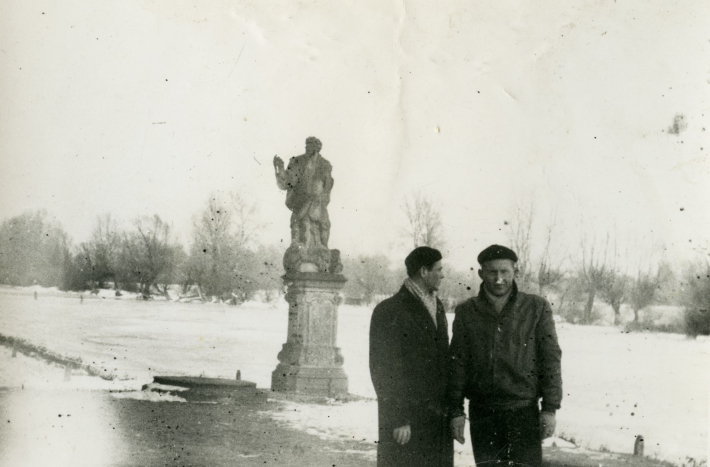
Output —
(616, 385)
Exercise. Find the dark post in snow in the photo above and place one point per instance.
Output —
(310, 361)
(638, 446)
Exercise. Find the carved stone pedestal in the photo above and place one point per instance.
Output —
(310, 362)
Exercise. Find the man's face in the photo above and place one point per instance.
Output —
(432, 277)
(497, 276)
(311, 146)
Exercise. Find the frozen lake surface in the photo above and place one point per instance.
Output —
(616, 385)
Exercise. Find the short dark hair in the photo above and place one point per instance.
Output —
(315, 141)
(496, 252)
(422, 256)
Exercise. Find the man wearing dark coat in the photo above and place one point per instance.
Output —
(409, 341)
(506, 362)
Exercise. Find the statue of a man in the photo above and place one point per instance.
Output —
(308, 182)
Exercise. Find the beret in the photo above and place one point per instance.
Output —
(496, 252)
(421, 256)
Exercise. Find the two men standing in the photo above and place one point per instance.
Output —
(504, 357)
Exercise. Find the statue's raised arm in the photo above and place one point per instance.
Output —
(280, 173)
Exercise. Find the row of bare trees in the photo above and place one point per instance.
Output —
(146, 256)
(607, 273)
(143, 257)
(599, 270)
(225, 261)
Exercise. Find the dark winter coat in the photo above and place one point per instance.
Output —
(509, 359)
(408, 365)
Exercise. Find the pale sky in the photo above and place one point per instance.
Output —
(142, 107)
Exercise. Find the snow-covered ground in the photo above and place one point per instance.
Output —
(18, 371)
(616, 385)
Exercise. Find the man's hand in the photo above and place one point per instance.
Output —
(402, 434)
(547, 424)
(457, 426)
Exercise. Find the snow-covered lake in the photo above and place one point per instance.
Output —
(616, 385)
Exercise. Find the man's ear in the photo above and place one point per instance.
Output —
(480, 273)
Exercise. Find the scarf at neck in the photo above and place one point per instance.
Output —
(428, 299)
(497, 302)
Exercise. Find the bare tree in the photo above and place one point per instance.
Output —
(519, 235)
(615, 283)
(424, 223)
(566, 291)
(643, 292)
(614, 290)
(593, 271)
(696, 299)
(220, 262)
(106, 234)
(147, 255)
(244, 216)
(669, 285)
(101, 252)
(33, 249)
(549, 269)
(213, 228)
(212, 255)
(645, 287)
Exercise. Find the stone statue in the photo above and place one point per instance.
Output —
(310, 360)
(308, 182)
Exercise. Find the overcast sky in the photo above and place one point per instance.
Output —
(142, 107)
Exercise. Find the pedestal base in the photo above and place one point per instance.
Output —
(329, 382)
(310, 361)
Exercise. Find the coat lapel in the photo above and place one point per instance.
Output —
(418, 311)
(442, 326)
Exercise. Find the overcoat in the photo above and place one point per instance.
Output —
(409, 369)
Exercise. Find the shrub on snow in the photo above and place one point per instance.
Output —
(697, 302)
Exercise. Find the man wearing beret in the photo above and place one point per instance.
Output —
(505, 360)
(409, 342)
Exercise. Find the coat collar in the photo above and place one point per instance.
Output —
(420, 314)
(488, 305)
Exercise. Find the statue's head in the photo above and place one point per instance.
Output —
(313, 145)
